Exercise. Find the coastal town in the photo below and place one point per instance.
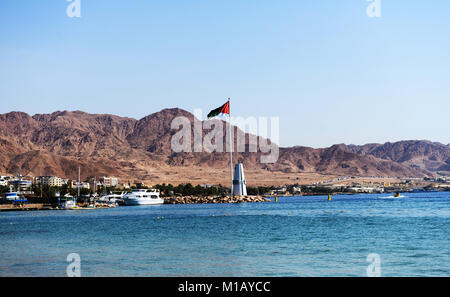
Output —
(213, 148)
(51, 192)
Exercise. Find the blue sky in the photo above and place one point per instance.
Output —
(331, 73)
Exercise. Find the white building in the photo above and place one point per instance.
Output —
(366, 189)
(109, 181)
(296, 190)
(279, 191)
(21, 186)
(52, 181)
(83, 185)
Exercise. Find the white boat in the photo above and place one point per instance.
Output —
(14, 196)
(68, 202)
(143, 197)
(113, 198)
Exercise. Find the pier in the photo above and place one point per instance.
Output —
(25, 207)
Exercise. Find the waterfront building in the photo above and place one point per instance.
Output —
(83, 185)
(51, 181)
(279, 191)
(296, 190)
(7, 178)
(362, 189)
(239, 182)
(109, 181)
(20, 185)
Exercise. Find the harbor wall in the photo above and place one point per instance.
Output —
(214, 199)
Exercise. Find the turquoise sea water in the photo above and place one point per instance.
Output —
(299, 236)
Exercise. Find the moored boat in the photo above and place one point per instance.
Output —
(143, 197)
(112, 199)
(14, 196)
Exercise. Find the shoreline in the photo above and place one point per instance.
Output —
(25, 207)
(183, 200)
(169, 200)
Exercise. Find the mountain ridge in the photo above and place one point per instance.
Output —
(105, 144)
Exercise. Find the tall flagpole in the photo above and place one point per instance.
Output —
(79, 180)
(231, 149)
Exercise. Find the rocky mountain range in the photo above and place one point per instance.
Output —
(102, 144)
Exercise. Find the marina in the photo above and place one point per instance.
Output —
(224, 139)
(131, 200)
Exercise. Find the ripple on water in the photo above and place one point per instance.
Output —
(294, 237)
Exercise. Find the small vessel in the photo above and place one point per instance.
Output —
(143, 197)
(112, 198)
(68, 202)
(397, 195)
(14, 196)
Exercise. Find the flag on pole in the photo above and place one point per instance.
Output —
(224, 109)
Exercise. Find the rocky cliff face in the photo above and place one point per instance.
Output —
(57, 143)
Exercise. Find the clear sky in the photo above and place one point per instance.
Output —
(331, 73)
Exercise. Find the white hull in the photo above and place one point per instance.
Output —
(143, 197)
(143, 201)
(111, 198)
(70, 204)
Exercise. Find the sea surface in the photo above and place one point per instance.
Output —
(297, 236)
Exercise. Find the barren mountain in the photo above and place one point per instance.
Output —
(432, 156)
(339, 161)
(57, 143)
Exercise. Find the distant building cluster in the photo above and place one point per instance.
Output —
(363, 189)
(24, 185)
(295, 190)
(350, 184)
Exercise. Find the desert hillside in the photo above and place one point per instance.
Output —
(57, 143)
